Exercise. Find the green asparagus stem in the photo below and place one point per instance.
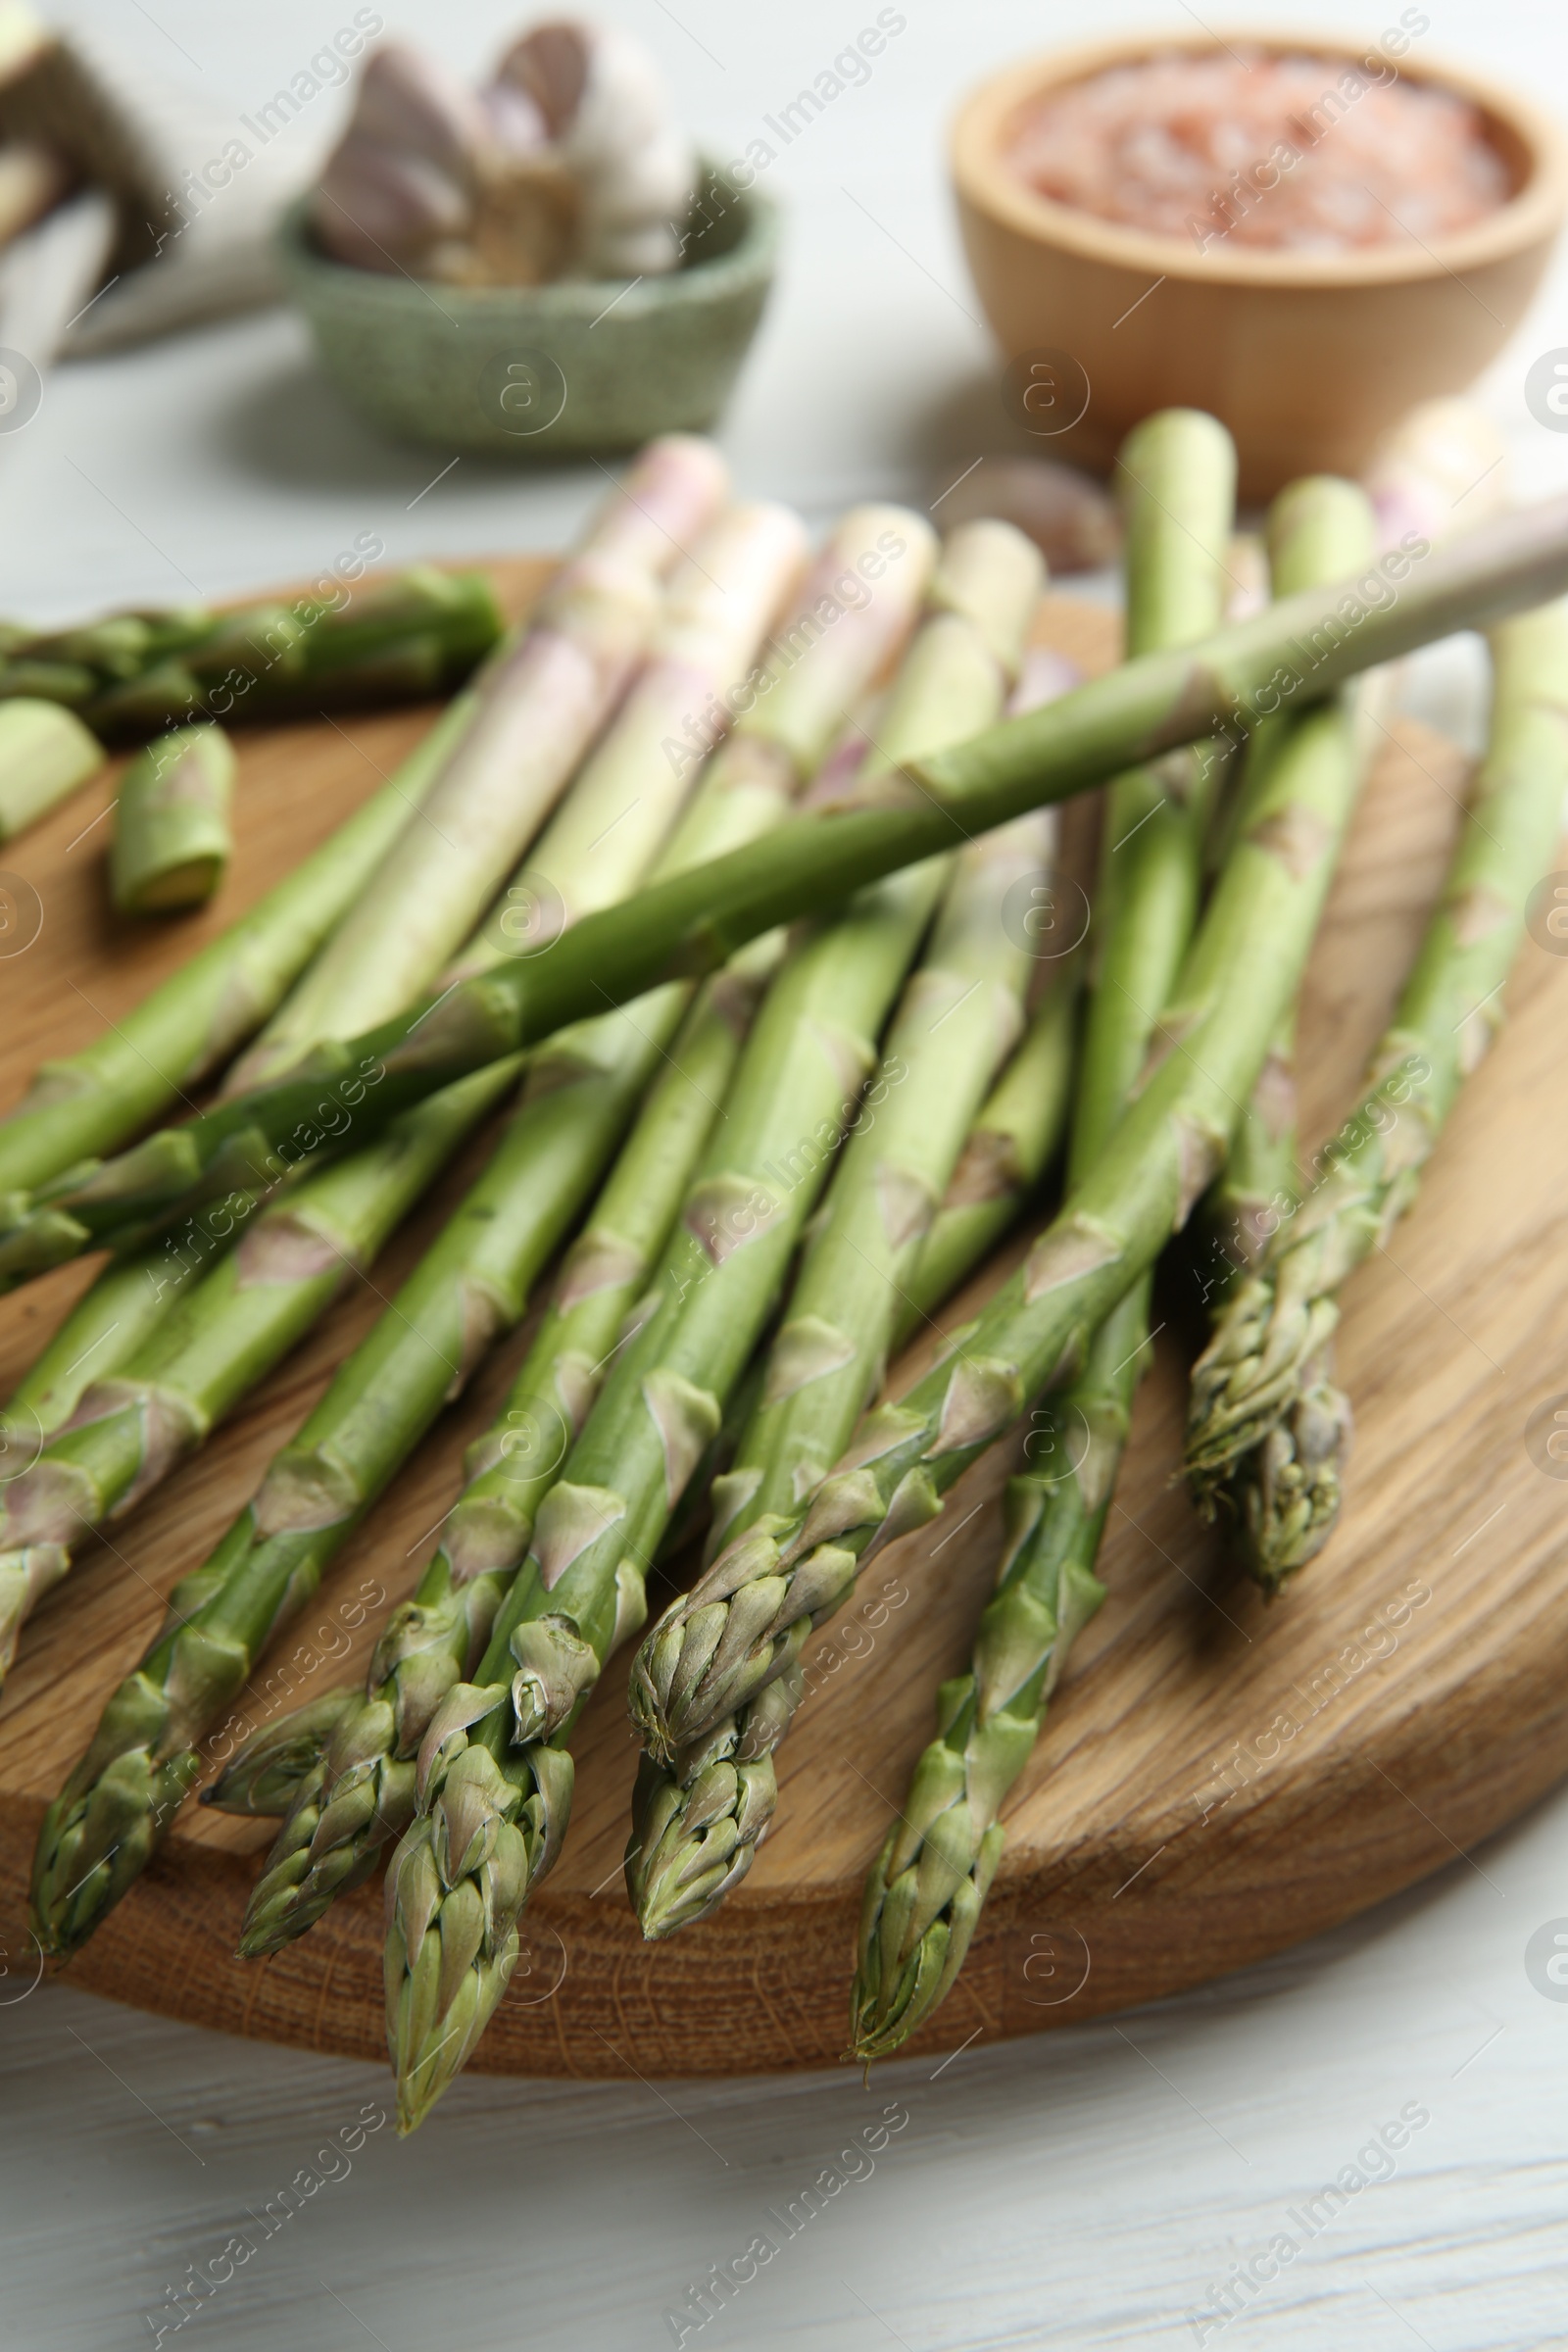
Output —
(541, 702)
(190, 1025)
(708, 636)
(112, 1320)
(136, 673)
(750, 1615)
(745, 789)
(1178, 476)
(1266, 1427)
(1307, 645)
(45, 755)
(493, 1813)
(960, 1013)
(1301, 1467)
(688, 1849)
(1005, 1156)
(171, 840)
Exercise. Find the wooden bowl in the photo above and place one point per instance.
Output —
(1306, 357)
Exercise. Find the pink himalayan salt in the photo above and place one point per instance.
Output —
(1304, 154)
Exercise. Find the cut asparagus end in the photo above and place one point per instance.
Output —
(173, 841)
(46, 753)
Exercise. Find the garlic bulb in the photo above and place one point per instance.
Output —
(569, 164)
(609, 117)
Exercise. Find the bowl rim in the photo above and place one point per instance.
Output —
(991, 186)
(754, 251)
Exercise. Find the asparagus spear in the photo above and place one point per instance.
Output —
(1266, 1426)
(116, 1317)
(696, 1827)
(696, 1823)
(1307, 645)
(540, 704)
(1004, 1157)
(470, 1285)
(190, 1025)
(171, 840)
(927, 1887)
(750, 1615)
(136, 673)
(46, 753)
(493, 1813)
(709, 637)
(745, 789)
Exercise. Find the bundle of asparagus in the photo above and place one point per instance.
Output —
(697, 1824)
(148, 1405)
(695, 1827)
(135, 673)
(728, 1129)
(346, 1803)
(925, 1892)
(471, 1285)
(746, 1619)
(1309, 643)
(1267, 1424)
(494, 1780)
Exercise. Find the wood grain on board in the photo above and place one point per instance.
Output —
(1219, 1777)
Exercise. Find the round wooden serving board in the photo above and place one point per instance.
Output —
(1218, 1777)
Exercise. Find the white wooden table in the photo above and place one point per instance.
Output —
(1092, 2187)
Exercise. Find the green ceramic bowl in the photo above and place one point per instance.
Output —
(542, 371)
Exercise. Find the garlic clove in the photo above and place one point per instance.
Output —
(377, 209)
(408, 101)
(549, 66)
(401, 179)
